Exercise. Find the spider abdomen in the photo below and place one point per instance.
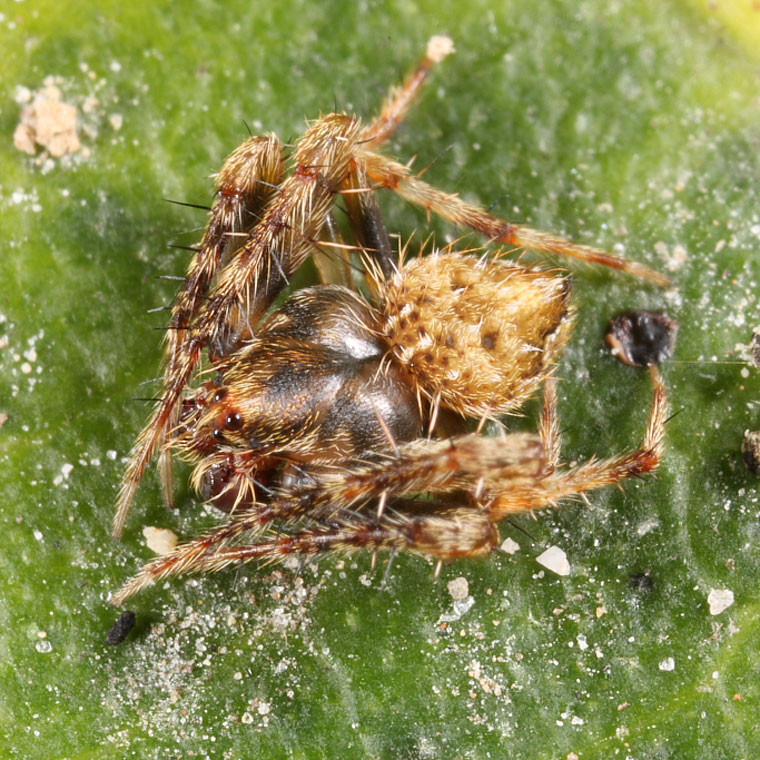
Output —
(479, 335)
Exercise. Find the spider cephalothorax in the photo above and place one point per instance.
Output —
(339, 420)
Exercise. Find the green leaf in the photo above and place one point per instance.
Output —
(632, 126)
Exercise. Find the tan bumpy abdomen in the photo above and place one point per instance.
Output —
(478, 334)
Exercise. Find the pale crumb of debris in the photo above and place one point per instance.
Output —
(23, 139)
(439, 47)
(719, 599)
(246, 718)
(264, 708)
(554, 559)
(647, 526)
(48, 122)
(159, 540)
(91, 104)
(601, 611)
(668, 664)
(509, 546)
(623, 705)
(458, 588)
(3, 418)
(22, 95)
(680, 254)
(572, 756)
(116, 120)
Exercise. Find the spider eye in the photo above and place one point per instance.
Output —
(233, 422)
(220, 395)
(218, 435)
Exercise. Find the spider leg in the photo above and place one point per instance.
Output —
(347, 499)
(596, 473)
(333, 261)
(400, 99)
(245, 185)
(447, 534)
(549, 427)
(395, 176)
(367, 223)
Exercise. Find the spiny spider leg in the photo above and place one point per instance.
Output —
(395, 176)
(401, 99)
(245, 185)
(449, 533)
(435, 467)
(549, 427)
(596, 473)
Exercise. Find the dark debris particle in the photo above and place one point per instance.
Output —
(642, 338)
(751, 451)
(642, 582)
(121, 628)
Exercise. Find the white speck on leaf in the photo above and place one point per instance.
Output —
(554, 559)
(719, 599)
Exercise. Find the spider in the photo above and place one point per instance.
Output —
(339, 420)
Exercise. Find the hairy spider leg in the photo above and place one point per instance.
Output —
(548, 429)
(245, 186)
(448, 534)
(434, 467)
(596, 473)
(387, 173)
(400, 99)
(364, 213)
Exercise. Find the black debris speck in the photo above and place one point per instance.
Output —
(642, 338)
(642, 582)
(121, 628)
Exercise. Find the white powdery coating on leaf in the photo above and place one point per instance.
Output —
(159, 540)
(668, 664)
(719, 599)
(554, 559)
